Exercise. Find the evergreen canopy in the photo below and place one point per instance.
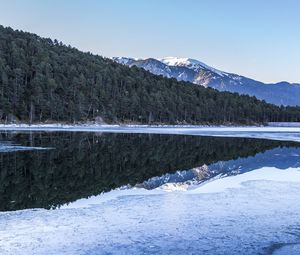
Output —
(45, 80)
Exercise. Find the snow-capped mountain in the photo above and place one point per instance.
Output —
(124, 60)
(191, 70)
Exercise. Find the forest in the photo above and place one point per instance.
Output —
(43, 80)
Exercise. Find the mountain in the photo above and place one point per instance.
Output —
(45, 80)
(191, 70)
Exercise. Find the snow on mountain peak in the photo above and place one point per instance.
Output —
(175, 61)
(190, 63)
(124, 60)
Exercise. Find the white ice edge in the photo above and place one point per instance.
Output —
(111, 195)
(268, 132)
(180, 128)
(6, 149)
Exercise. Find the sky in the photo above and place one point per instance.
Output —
(255, 38)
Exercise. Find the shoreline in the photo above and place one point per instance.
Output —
(93, 124)
(281, 133)
(124, 125)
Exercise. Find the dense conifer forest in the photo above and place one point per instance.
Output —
(45, 80)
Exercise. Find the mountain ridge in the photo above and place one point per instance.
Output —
(197, 72)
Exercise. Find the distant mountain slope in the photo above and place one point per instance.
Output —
(186, 69)
(45, 80)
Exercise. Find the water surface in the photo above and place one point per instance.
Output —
(78, 164)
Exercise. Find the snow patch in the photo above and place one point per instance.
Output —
(190, 63)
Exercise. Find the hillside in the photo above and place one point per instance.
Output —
(44, 80)
(191, 70)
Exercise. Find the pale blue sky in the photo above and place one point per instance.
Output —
(256, 38)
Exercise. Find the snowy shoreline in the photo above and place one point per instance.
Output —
(95, 125)
(281, 133)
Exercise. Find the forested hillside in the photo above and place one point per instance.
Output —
(44, 80)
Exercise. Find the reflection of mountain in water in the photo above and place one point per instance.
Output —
(280, 157)
(85, 164)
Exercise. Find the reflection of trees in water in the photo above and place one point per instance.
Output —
(85, 164)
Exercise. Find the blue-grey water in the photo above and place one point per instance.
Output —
(48, 169)
(51, 169)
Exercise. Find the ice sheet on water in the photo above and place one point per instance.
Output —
(271, 132)
(6, 146)
(258, 214)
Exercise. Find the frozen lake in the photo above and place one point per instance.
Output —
(177, 191)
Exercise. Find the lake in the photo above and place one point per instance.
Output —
(46, 170)
(52, 170)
